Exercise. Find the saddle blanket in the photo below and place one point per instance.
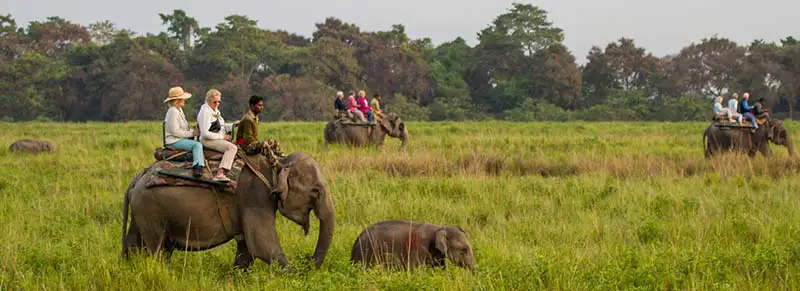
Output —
(154, 179)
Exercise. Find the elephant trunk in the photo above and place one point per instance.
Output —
(404, 139)
(326, 213)
(790, 147)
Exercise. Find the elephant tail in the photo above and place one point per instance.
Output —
(126, 203)
(707, 143)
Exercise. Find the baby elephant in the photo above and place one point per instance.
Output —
(31, 146)
(403, 244)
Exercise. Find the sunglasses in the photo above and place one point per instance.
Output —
(216, 102)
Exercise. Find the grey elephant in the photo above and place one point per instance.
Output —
(164, 219)
(718, 139)
(31, 146)
(405, 244)
(360, 135)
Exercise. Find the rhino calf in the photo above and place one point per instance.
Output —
(31, 146)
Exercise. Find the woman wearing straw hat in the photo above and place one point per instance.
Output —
(177, 134)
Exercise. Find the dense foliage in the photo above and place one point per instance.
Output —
(519, 70)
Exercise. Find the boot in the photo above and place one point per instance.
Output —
(197, 171)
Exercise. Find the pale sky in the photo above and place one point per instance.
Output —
(662, 27)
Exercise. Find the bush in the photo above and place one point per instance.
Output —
(531, 110)
(409, 110)
(454, 109)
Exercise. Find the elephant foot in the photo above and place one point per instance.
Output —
(242, 262)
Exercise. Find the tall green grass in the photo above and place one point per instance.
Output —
(547, 206)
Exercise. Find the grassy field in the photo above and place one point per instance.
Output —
(547, 206)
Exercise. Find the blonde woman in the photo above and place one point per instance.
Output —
(177, 134)
(214, 133)
(719, 110)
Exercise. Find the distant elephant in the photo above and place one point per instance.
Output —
(359, 135)
(718, 139)
(402, 244)
(31, 146)
(164, 219)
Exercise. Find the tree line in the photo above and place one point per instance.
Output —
(519, 70)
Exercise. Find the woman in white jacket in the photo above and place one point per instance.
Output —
(214, 132)
(177, 134)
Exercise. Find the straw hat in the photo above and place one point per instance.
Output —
(177, 93)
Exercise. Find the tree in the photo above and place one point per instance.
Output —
(506, 50)
(29, 84)
(238, 48)
(122, 81)
(597, 77)
(555, 77)
(104, 32)
(631, 67)
(332, 62)
(528, 26)
(708, 68)
(297, 98)
(789, 60)
(183, 28)
(54, 37)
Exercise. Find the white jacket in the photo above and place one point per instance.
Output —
(205, 117)
(176, 127)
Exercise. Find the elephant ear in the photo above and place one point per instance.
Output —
(441, 241)
(282, 183)
(385, 124)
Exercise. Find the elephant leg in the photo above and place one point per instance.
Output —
(132, 241)
(154, 235)
(262, 238)
(244, 259)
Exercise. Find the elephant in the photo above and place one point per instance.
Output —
(359, 135)
(31, 146)
(746, 140)
(405, 244)
(170, 218)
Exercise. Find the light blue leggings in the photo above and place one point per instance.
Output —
(191, 145)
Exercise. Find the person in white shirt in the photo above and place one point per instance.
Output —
(177, 134)
(214, 132)
(733, 107)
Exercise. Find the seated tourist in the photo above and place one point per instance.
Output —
(177, 134)
(365, 109)
(339, 105)
(719, 110)
(352, 107)
(733, 105)
(747, 110)
(214, 133)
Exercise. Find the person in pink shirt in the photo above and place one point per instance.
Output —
(352, 106)
(363, 106)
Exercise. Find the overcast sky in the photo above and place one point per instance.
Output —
(662, 27)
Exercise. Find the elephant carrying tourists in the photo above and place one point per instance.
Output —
(360, 134)
(169, 214)
(725, 137)
(247, 133)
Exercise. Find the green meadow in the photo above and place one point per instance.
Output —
(570, 206)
